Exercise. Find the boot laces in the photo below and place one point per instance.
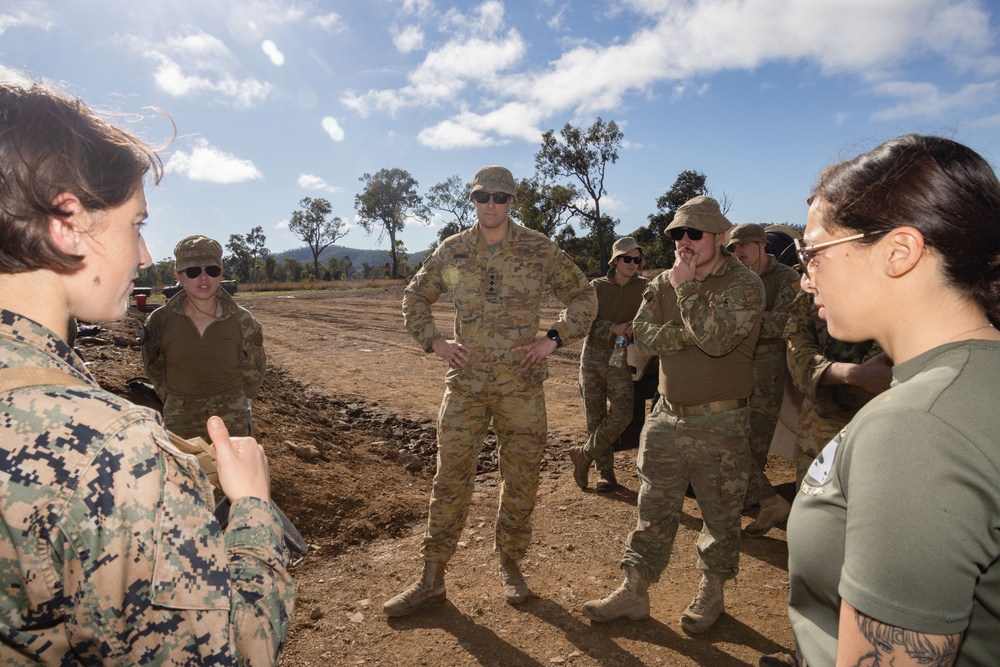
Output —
(619, 593)
(701, 598)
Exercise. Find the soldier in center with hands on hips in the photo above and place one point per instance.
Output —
(498, 272)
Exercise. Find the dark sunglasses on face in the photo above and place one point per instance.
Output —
(678, 233)
(628, 259)
(498, 197)
(195, 271)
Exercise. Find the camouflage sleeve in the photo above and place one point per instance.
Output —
(652, 335)
(152, 356)
(575, 292)
(139, 546)
(602, 329)
(806, 361)
(254, 359)
(424, 290)
(719, 325)
(773, 325)
(262, 606)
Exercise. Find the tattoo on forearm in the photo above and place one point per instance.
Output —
(888, 641)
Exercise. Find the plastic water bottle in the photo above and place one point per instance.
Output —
(618, 356)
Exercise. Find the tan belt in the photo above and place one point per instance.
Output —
(706, 408)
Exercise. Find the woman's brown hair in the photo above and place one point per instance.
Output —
(50, 144)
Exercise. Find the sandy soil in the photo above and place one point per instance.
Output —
(347, 417)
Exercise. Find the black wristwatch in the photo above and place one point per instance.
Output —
(552, 334)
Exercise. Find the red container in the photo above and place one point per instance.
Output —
(140, 301)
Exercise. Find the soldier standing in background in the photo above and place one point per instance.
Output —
(498, 272)
(835, 378)
(604, 380)
(781, 283)
(702, 318)
(203, 353)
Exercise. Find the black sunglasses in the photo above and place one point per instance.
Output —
(498, 197)
(195, 271)
(677, 233)
(628, 259)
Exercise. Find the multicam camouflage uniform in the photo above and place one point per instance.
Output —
(826, 409)
(110, 553)
(198, 376)
(704, 334)
(498, 294)
(781, 284)
(607, 390)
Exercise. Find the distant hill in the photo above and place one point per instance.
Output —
(357, 255)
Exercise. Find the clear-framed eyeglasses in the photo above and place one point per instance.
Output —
(807, 254)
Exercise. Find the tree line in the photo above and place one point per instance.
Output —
(568, 185)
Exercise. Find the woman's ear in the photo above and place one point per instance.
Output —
(67, 230)
(906, 247)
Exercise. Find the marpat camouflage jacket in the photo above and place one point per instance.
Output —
(110, 553)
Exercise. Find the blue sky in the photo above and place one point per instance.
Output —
(279, 100)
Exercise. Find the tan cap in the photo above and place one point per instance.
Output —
(494, 179)
(748, 232)
(701, 213)
(197, 251)
(623, 245)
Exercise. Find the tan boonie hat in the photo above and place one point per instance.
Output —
(493, 179)
(624, 245)
(701, 213)
(197, 251)
(748, 232)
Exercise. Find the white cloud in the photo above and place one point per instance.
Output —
(314, 182)
(282, 224)
(30, 14)
(681, 44)
(471, 130)
(332, 21)
(444, 74)
(418, 7)
(213, 165)
(485, 20)
(556, 20)
(198, 63)
(408, 39)
(925, 100)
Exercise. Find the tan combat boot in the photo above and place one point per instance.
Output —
(630, 600)
(607, 482)
(515, 589)
(773, 510)
(581, 466)
(708, 603)
(429, 588)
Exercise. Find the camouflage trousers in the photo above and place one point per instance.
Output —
(607, 403)
(520, 424)
(187, 416)
(770, 371)
(711, 452)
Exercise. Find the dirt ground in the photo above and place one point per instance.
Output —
(347, 418)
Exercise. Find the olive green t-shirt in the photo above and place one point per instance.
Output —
(900, 514)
